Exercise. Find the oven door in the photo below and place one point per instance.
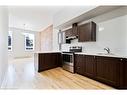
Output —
(68, 62)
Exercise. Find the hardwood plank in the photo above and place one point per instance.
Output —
(72, 81)
(22, 75)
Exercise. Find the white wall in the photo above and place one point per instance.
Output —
(38, 41)
(55, 40)
(68, 13)
(3, 42)
(18, 44)
(111, 32)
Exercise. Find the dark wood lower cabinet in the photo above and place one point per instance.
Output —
(90, 66)
(85, 65)
(109, 70)
(123, 77)
(41, 59)
(48, 61)
(79, 64)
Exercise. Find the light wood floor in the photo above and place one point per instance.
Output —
(61, 79)
(22, 75)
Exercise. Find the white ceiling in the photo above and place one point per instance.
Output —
(35, 18)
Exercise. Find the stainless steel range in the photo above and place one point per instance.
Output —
(68, 58)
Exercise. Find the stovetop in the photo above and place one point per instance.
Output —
(74, 49)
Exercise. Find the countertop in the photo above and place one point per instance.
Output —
(89, 53)
(103, 54)
(47, 52)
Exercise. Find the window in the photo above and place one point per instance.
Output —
(29, 42)
(10, 41)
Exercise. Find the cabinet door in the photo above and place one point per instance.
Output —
(108, 71)
(55, 60)
(48, 61)
(87, 32)
(90, 66)
(124, 75)
(52, 60)
(68, 33)
(41, 62)
(59, 59)
(79, 64)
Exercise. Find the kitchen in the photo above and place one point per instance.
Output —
(63, 47)
(92, 45)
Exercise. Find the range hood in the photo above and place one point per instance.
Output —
(71, 37)
(74, 30)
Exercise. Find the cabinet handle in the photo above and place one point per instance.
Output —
(121, 59)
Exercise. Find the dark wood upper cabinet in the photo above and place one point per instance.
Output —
(72, 31)
(87, 32)
(68, 32)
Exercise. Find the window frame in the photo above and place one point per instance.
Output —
(11, 35)
(26, 35)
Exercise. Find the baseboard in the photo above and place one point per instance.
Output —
(4, 82)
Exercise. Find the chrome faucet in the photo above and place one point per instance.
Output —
(107, 49)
